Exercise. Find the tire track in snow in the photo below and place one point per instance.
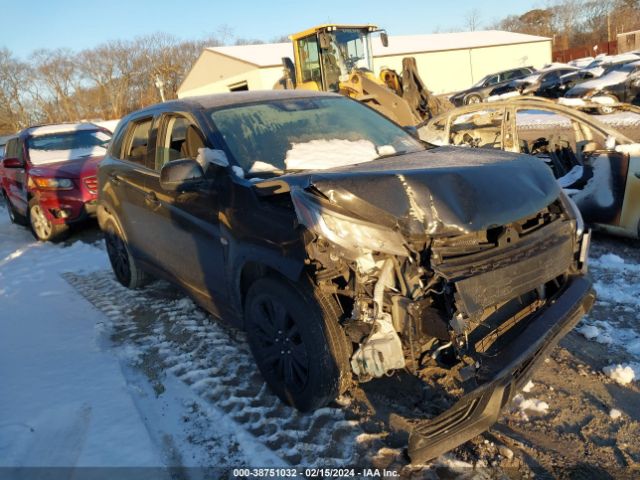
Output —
(164, 333)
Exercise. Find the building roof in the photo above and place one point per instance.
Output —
(260, 55)
(270, 54)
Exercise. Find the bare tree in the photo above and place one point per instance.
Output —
(15, 82)
(472, 20)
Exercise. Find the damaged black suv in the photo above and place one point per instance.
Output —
(348, 249)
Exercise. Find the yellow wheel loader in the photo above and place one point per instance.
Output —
(339, 58)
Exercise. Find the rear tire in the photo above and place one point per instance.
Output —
(14, 215)
(125, 268)
(41, 226)
(297, 342)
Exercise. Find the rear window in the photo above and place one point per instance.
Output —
(63, 146)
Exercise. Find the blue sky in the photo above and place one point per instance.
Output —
(79, 24)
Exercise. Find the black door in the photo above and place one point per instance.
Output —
(185, 225)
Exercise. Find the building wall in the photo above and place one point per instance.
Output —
(453, 70)
(256, 79)
(629, 41)
(443, 72)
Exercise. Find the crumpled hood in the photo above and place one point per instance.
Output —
(80, 168)
(442, 191)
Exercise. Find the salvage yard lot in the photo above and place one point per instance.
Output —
(183, 391)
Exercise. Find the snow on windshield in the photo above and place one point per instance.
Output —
(63, 146)
(322, 154)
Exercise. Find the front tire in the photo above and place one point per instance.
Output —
(472, 100)
(606, 109)
(43, 229)
(297, 342)
(124, 266)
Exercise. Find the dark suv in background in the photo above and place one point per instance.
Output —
(480, 91)
(348, 249)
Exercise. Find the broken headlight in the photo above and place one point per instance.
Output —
(572, 209)
(353, 235)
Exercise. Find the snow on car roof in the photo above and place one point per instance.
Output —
(60, 128)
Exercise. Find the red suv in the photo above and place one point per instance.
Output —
(48, 176)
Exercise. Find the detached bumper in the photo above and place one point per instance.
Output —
(478, 410)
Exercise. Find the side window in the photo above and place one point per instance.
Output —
(478, 129)
(137, 146)
(181, 139)
(492, 80)
(11, 148)
(309, 59)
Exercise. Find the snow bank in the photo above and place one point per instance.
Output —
(324, 154)
(621, 374)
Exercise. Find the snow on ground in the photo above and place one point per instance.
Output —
(51, 349)
(70, 397)
(619, 373)
(617, 284)
(537, 119)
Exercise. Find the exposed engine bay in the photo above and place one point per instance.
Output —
(452, 300)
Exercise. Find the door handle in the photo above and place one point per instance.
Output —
(115, 179)
(151, 199)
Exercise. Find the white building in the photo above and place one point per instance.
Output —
(447, 62)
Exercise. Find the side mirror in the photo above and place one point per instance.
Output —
(181, 175)
(384, 38)
(12, 162)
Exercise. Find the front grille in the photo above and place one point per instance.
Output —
(91, 183)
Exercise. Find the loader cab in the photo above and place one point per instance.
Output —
(326, 54)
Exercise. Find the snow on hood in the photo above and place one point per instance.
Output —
(323, 154)
(612, 78)
(530, 79)
(44, 157)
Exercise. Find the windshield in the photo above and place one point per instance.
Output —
(481, 82)
(58, 147)
(352, 49)
(308, 134)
